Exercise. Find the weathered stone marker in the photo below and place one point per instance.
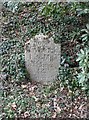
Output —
(42, 58)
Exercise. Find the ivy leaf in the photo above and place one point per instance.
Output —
(82, 51)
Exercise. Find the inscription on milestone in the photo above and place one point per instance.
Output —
(42, 58)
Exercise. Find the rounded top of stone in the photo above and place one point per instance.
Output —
(41, 35)
(41, 38)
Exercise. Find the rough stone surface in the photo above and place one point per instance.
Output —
(42, 58)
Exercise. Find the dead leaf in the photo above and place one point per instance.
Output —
(14, 106)
(24, 86)
(54, 115)
(26, 114)
(80, 108)
(31, 94)
(38, 105)
(58, 110)
(32, 88)
(35, 98)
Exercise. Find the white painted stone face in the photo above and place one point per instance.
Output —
(42, 58)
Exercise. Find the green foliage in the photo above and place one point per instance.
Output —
(85, 36)
(83, 76)
(68, 78)
(63, 22)
(17, 100)
(63, 17)
(15, 104)
(58, 20)
(12, 59)
(83, 58)
(12, 5)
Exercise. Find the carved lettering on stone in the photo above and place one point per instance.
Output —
(42, 58)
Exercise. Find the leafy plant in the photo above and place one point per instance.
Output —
(15, 104)
(12, 59)
(12, 5)
(85, 36)
(68, 78)
(83, 76)
(83, 59)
